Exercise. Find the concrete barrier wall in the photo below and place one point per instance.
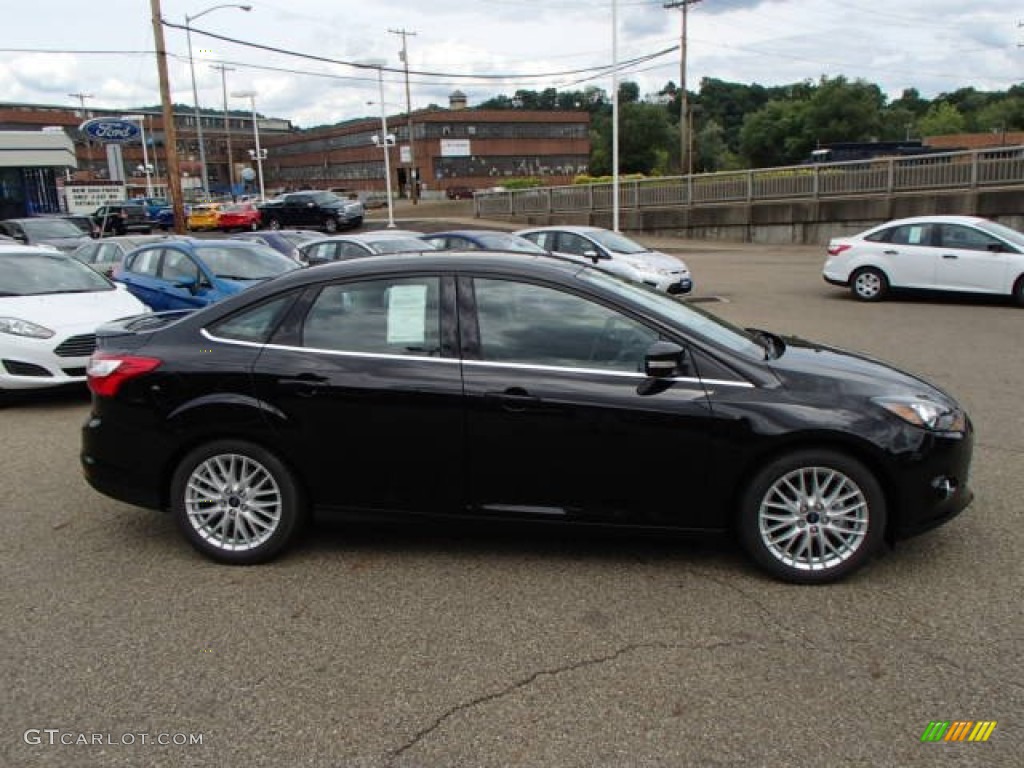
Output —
(808, 222)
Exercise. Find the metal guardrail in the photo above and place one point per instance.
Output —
(879, 176)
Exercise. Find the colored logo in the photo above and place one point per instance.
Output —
(958, 730)
(105, 129)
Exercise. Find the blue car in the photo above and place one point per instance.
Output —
(188, 273)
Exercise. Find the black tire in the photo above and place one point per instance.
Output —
(869, 284)
(330, 225)
(1018, 291)
(273, 224)
(220, 519)
(818, 535)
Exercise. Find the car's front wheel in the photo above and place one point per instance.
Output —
(330, 225)
(869, 284)
(812, 516)
(1018, 291)
(273, 224)
(236, 502)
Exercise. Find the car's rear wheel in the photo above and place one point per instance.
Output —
(869, 284)
(236, 502)
(812, 517)
(330, 225)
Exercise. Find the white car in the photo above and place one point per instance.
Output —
(50, 307)
(936, 253)
(615, 253)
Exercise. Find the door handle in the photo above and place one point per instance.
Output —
(514, 399)
(891, 252)
(950, 256)
(304, 385)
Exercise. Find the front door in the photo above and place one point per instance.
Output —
(562, 423)
(971, 260)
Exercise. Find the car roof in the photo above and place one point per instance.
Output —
(468, 233)
(16, 247)
(578, 229)
(934, 220)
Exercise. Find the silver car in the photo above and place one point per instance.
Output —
(617, 254)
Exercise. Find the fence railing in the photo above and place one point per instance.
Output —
(879, 176)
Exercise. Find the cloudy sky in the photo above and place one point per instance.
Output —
(53, 48)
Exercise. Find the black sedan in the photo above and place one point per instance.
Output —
(513, 387)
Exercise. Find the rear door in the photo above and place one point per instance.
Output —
(366, 386)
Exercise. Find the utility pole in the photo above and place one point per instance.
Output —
(85, 116)
(227, 125)
(413, 179)
(685, 161)
(170, 130)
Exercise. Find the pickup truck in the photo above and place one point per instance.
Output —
(311, 210)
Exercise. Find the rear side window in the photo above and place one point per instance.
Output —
(144, 262)
(255, 324)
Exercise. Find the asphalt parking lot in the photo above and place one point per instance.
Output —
(422, 648)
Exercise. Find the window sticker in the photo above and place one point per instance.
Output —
(407, 314)
(916, 236)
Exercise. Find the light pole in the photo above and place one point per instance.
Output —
(195, 91)
(259, 154)
(227, 126)
(384, 141)
(145, 152)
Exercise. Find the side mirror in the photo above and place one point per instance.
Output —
(662, 359)
(21, 237)
(189, 284)
(593, 255)
(315, 260)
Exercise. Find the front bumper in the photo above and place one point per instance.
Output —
(27, 363)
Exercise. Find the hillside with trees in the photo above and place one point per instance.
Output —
(752, 126)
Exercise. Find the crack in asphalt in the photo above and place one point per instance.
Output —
(572, 667)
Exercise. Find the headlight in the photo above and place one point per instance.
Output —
(925, 413)
(16, 327)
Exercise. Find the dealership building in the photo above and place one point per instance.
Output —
(451, 147)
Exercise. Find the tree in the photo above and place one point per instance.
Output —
(839, 110)
(629, 92)
(941, 119)
(774, 135)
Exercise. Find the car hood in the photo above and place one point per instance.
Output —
(808, 367)
(655, 260)
(72, 310)
(64, 243)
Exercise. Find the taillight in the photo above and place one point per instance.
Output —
(834, 249)
(108, 372)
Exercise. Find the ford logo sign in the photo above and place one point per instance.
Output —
(106, 129)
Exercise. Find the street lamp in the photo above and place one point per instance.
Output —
(384, 140)
(259, 155)
(195, 91)
(145, 151)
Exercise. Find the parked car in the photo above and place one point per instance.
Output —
(50, 305)
(481, 239)
(152, 205)
(286, 241)
(238, 216)
(82, 221)
(527, 388)
(341, 247)
(185, 273)
(312, 209)
(107, 254)
(203, 216)
(44, 230)
(617, 254)
(459, 193)
(936, 253)
(122, 218)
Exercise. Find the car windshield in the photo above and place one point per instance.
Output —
(680, 313)
(616, 243)
(50, 228)
(38, 274)
(399, 245)
(245, 261)
(503, 242)
(1003, 231)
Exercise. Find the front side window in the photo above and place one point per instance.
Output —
(966, 238)
(395, 316)
(534, 324)
(179, 267)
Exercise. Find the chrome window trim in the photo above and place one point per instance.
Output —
(479, 363)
